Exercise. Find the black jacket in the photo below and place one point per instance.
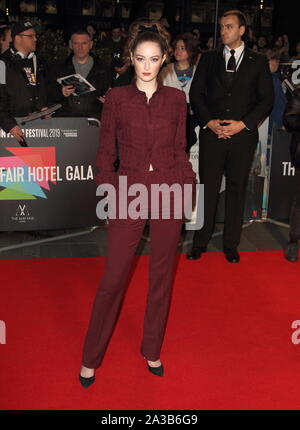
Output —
(86, 105)
(248, 99)
(291, 121)
(17, 97)
(124, 79)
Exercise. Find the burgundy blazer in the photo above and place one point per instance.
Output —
(145, 133)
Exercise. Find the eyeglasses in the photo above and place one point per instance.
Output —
(32, 36)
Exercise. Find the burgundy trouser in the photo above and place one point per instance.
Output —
(123, 238)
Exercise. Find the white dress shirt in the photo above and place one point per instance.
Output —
(238, 55)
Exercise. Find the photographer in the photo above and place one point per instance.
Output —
(291, 120)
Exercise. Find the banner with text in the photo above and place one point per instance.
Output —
(49, 184)
(282, 177)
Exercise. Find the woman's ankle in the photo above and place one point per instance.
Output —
(155, 363)
(87, 371)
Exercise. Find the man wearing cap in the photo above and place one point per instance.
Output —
(114, 42)
(122, 73)
(22, 79)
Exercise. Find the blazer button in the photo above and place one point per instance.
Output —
(229, 94)
(227, 110)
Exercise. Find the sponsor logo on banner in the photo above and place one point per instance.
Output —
(69, 133)
(22, 215)
(30, 173)
(27, 172)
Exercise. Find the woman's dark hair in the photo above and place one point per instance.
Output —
(273, 53)
(262, 36)
(190, 46)
(91, 24)
(146, 31)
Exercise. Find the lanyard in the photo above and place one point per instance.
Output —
(239, 59)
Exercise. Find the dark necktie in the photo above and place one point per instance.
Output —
(231, 66)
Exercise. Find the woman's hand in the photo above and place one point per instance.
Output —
(102, 98)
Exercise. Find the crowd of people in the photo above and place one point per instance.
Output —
(98, 57)
(32, 84)
(41, 89)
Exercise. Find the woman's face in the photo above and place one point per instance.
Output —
(210, 42)
(196, 34)
(261, 41)
(90, 29)
(147, 60)
(180, 52)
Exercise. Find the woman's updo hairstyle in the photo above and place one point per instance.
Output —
(147, 31)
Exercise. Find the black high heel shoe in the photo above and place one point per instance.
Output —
(86, 382)
(158, 371)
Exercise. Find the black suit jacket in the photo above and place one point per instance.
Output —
(249, 98)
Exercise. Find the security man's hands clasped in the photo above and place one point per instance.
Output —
(224, 129)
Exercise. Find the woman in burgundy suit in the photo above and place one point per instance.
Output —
(147, 120)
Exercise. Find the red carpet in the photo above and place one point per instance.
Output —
(228, 343)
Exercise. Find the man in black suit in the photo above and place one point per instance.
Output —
(231, 93)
